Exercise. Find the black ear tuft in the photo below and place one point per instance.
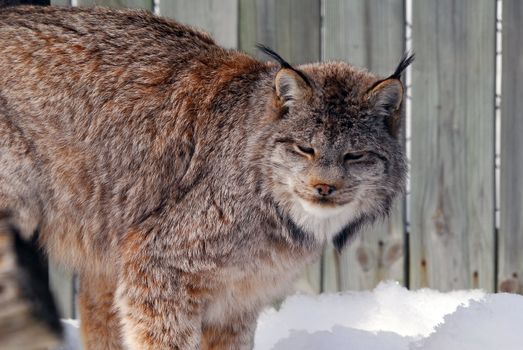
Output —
(269, 52)
(406, 60)
(284, 64)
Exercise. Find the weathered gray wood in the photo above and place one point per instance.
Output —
(145, 4)
(330, 270)
(452, 180)
(218, 17)
(310, 281)
(290, 27)
(61, 2)
(511, 201)
(367, 34)
(62, 285)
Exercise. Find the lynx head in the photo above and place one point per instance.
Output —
(335, 161)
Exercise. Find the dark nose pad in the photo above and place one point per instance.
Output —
(325, 190)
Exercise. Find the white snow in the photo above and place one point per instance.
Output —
(71, 335)
(492, 323)
(388, 318)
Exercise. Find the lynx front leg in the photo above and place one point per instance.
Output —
(237, 334)
(159, 305)
(100, 323)
(157, 315)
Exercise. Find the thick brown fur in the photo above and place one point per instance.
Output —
(187, 184)
(100, 326)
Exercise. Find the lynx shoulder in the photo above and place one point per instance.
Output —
(187, 184)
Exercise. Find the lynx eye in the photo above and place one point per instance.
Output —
(354, 156)
(305, 150)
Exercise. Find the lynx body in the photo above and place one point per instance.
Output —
(188, 185)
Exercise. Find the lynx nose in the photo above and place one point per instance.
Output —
(325, 190)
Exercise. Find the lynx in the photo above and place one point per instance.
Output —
(187, 184)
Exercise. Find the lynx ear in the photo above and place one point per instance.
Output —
(290, 86)
(385, 99)
(386, 96)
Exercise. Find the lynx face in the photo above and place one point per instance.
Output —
(336, 159)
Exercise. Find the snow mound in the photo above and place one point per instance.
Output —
(493, 323)
(343, 338)
(393, 318)
(71, 335)
(388, 318)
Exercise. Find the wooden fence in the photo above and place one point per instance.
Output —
(444, 234)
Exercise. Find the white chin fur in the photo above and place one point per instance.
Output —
(321, 211)
(323, 222)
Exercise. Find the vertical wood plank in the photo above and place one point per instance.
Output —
(511, 176)
(367, 34)
(452, 179)
(292, 28)
(62, 285)
(145, 4)
(219, 18)
(331, 274)
(61, 2)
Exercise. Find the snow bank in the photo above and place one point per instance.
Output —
(493, 323)
(388, 318)
(71, 335)
(393, 318)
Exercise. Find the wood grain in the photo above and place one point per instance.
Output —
(145, 4)
(452, 209)
(219, 18)
(290, 27)
(61, 2)
(61, 283)
(511, 177)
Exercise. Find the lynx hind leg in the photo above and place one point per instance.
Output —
(28, 316)
(99, 321)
